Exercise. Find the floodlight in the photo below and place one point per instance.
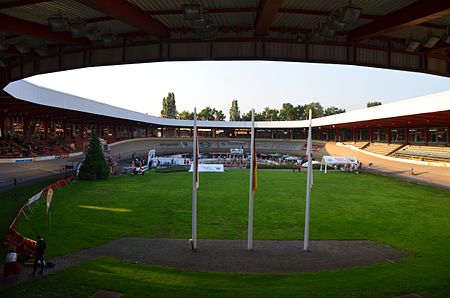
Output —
(58, 23)
(192, 12)
(446, 38)
(3, 44)
(208, 32)
(412, 46)
(335, 23)
(22, 48)
(92, 34)
(41, 51)
(351, 15)
(430, 41)
(326, 31)
(77, 28)
(317, 36)
(109, 39)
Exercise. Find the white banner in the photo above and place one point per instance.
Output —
(34, 198)
(208, 168)
(339, 160)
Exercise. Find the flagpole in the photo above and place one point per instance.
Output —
(194, 184)
(250, 195)
(308, 185)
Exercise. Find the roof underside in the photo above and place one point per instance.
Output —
(156, 30)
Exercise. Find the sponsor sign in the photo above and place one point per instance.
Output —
(208, 168)
(24, 160)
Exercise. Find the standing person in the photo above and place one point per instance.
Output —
(40, 250)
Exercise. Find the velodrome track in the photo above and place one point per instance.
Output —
(29, 172)
(432, 175)
(436, 176)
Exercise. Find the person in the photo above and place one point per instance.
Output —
(40, 250)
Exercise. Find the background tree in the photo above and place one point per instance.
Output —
(94, 164)
(206, 114)
(235, 114)
(185, 115)
(373, 104)
(218, 115)
(270, 114)
(169, 107)
(333, 111)
(317, 110)
(299, 112)
(248, 116)
(287, 112)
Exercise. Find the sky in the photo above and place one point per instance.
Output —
(255, 84)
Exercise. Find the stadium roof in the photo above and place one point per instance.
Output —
(38, 36)
(431, 110)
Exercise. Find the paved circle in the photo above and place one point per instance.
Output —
(270, 257)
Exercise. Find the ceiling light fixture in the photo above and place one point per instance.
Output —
(58, 23)
(430, 40)
(78, 28)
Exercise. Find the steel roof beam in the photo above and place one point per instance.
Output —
(21, 27)
(129, 14)
(19, 3)
(265, 17)
(417, 13)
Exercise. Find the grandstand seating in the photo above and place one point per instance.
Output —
(425, 153)
(383, 148)
(358, 144)
(15, 149)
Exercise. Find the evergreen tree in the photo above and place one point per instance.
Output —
(94, 164)
(235, 114)
(169, 107)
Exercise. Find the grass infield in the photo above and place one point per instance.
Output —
(343, 206)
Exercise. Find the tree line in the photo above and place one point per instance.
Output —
(288, 112)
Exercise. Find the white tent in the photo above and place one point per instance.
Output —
(333, 160)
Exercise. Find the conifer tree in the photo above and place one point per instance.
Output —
(94, 164)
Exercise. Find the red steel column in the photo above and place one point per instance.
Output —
(388, 135)
(3, 129)
(354, 135)
(427, 133)
(448, 136)
(45, 123)
(406, 135)
(371, 134)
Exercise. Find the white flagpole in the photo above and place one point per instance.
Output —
(194, 184)
(250, 195)
(308, 185)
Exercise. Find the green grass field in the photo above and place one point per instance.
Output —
(343, 206)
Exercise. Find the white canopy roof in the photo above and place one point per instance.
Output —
(27, 91)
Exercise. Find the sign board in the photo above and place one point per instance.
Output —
(208, 168)
(237, 151)
(339, 160)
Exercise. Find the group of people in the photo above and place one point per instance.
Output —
(12, 267)
(356, 168)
